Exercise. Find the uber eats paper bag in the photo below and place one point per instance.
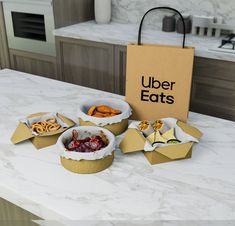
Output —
(158, 80)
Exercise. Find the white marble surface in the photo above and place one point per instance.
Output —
(123, 34)
(202, 188)
(131, 11)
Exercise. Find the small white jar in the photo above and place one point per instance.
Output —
(102, 11)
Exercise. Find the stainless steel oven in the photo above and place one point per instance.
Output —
(30, 25)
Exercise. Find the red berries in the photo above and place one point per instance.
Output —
(89, 144)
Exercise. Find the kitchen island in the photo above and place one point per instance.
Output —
(201, 188)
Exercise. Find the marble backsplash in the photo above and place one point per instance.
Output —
(131, 11)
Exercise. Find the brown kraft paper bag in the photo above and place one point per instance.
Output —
(159, 77)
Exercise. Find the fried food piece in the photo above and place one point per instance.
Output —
(103, 111)
(145, 128)
(100, 115)
(91, 111)
(112, 114)
(107, 109)
(143, 125)
(43, 124)
(49, 125)
(74, 135)
(116, 111)
(38, 128)
(54, 127)
(104, 138)
(158, 124)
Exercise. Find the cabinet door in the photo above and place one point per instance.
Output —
(213, 91)
(67, 12)
(13, 214)
(120, 69)
(87, 63)
(33, 63)
(4, 54)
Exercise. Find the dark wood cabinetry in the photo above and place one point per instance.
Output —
(120, 69)
(11, 214)
(4, 54)
(96, 65)
(88, 64)
(213, 90)
(67, 12)
(33, 63)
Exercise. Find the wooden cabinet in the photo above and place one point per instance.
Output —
(85, 63)
(92, 64)
(120, 69)
(33, 63)
(67, 12)
(14, 215)
(213, 90)
(4, 54)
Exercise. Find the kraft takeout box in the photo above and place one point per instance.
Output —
(88, 162)
(116, 124)
(23, 133)
(87, 166)
(134, 141)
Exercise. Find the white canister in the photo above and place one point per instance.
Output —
(102, 11)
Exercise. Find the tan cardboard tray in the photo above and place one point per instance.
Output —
(87, 166)
(115, 128)
(23, 133)
(134, 141)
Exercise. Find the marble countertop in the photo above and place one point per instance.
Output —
(123, 34)
(201, 188)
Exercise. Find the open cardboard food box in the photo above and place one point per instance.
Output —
(134, 141)
(89, 161)
(23, 133)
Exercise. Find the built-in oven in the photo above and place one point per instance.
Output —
(30, 25)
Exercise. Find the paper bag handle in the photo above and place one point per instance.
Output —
(169, 8)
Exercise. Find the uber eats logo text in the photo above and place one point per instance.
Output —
(150, 83)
